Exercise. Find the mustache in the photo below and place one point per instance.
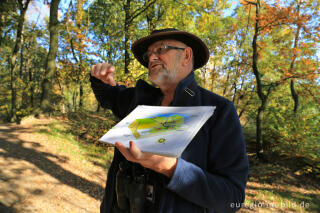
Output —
(155, 63)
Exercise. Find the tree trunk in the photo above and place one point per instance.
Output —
(234, 91)
(17, 46)
(1, 26)
(80, 96)
(150, 22)
(74, 100)
(295, 97)
(262, 97)
(47, 87)
(31, 88)
(226, 85)
(21, 57)
(129, 18)
(2, 8)
(80, 81)
(154, 14)
(126, 36)
(294, 94)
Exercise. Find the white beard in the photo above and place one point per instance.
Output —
(164, 75)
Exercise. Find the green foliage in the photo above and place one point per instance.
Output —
(294, 135)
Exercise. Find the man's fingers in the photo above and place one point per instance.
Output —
(96, 70)
(132, 154)
(108, 71)
(124, 151)
(112, 69)
(135, 151)
(104, 72)
(93, 68)
(157, 163)
(104, 69)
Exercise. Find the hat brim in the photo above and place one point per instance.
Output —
(199, 48)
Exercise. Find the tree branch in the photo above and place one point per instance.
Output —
(136, 13)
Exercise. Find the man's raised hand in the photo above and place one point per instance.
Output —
(104, 72)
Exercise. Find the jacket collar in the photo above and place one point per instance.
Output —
(185, 94)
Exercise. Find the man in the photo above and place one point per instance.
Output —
(211, 174)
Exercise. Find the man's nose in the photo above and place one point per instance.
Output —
(153, 57)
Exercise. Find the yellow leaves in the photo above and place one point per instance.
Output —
(80, 36)
(287, 75)
(206, 22)
(307, 62)
(244, 2)
(304, 45)
(296, 51)
(233, 28)
(206, 4)
(261, 44)
(274, 15)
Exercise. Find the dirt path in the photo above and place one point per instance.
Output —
(37, 176)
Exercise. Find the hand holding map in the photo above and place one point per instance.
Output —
(161, 164)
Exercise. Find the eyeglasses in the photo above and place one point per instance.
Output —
(159, 51)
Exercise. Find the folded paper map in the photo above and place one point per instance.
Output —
(160, 130)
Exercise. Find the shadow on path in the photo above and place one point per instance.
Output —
(13, 147)
(5, 209)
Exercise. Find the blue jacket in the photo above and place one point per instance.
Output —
(212, 172)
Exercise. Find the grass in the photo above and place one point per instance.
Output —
(60, 131)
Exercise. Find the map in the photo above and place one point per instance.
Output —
(160, 124)
(160, 130)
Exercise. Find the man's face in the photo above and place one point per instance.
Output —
(164, 61)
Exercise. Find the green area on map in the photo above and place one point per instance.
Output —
(150, 126)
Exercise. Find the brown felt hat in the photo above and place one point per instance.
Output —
(199, 48)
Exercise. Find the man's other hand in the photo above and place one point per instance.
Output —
(158, 163)
(104, 72)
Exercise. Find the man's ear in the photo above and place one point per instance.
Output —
(188, 55)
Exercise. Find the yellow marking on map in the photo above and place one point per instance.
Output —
(147, 126)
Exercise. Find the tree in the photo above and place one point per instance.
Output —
(269, 21)
(23, 8)
(50, 66)
(7, 10)
(75, 43)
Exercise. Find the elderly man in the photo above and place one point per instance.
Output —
(211, 174)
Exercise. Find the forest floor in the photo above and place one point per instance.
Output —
(43, 169)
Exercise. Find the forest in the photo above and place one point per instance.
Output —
(264, 57)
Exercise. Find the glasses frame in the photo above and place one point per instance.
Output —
(160, 51)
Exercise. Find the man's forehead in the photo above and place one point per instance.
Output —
(163, 42)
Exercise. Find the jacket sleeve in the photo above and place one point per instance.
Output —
(117, 98)
(221, 186)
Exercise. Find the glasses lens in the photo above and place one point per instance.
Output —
(161, 50)
(157, 51)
